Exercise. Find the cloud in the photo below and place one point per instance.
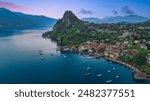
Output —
(127, 11)
(84, 11)
(14, 7)
(114, 12)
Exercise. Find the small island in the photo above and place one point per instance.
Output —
(127, 44)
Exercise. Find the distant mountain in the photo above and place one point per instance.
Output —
(71, 31)
(147, 21)
(118, 19)
(94, 20)
(15, 20)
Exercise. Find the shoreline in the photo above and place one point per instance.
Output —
(137, 74)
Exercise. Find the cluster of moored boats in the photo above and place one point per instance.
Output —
(41, 54)
(99, 75)
(87, 69)
(43, 58)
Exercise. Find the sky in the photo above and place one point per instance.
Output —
(82, 8)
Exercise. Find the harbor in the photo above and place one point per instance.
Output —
(137, 74)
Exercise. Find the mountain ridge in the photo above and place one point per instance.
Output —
(10, 19)
(118, 19)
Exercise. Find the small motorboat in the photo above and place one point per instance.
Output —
(114, 68)
(39, 50)
(88, 68)
(90, 57)
(108, 71)
(109, 81)
(99, 75)
(51, 54)
(65, 56)
(42, 58)
(87, 74)
(41, 53)
(117, 76)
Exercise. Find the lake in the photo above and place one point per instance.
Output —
(27, 58)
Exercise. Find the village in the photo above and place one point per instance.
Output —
(111, 53)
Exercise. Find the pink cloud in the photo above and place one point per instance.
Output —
(13, 7)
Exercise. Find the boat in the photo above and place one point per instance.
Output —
(108, 71)
(114, 68)
(117, 76)
(42, 58)
(51, 54)
(90, 57)
(87, 74)
(40, 50)
(99, 75)
(109, 81)
(41, 53)
(58, 54)
(65, 56)
(88, 68)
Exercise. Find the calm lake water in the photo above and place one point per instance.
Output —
(21, 63)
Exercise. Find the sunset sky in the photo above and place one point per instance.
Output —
(82, 8)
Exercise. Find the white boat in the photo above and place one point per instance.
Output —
(114, 68)
(117, 76)
(87, 74)
(90, 57)
(65, 56)
(88, 68)
(109, 81)
(108, 71)
(99, 75)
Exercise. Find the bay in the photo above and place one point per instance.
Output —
(27, 58)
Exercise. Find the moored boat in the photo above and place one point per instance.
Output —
(109, 81)
(42, 58)
(99, 75)
(88, 68)
(87, 74)
(108, 71)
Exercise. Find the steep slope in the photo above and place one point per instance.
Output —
(9, 19)
(69, 20)
(69, 27)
